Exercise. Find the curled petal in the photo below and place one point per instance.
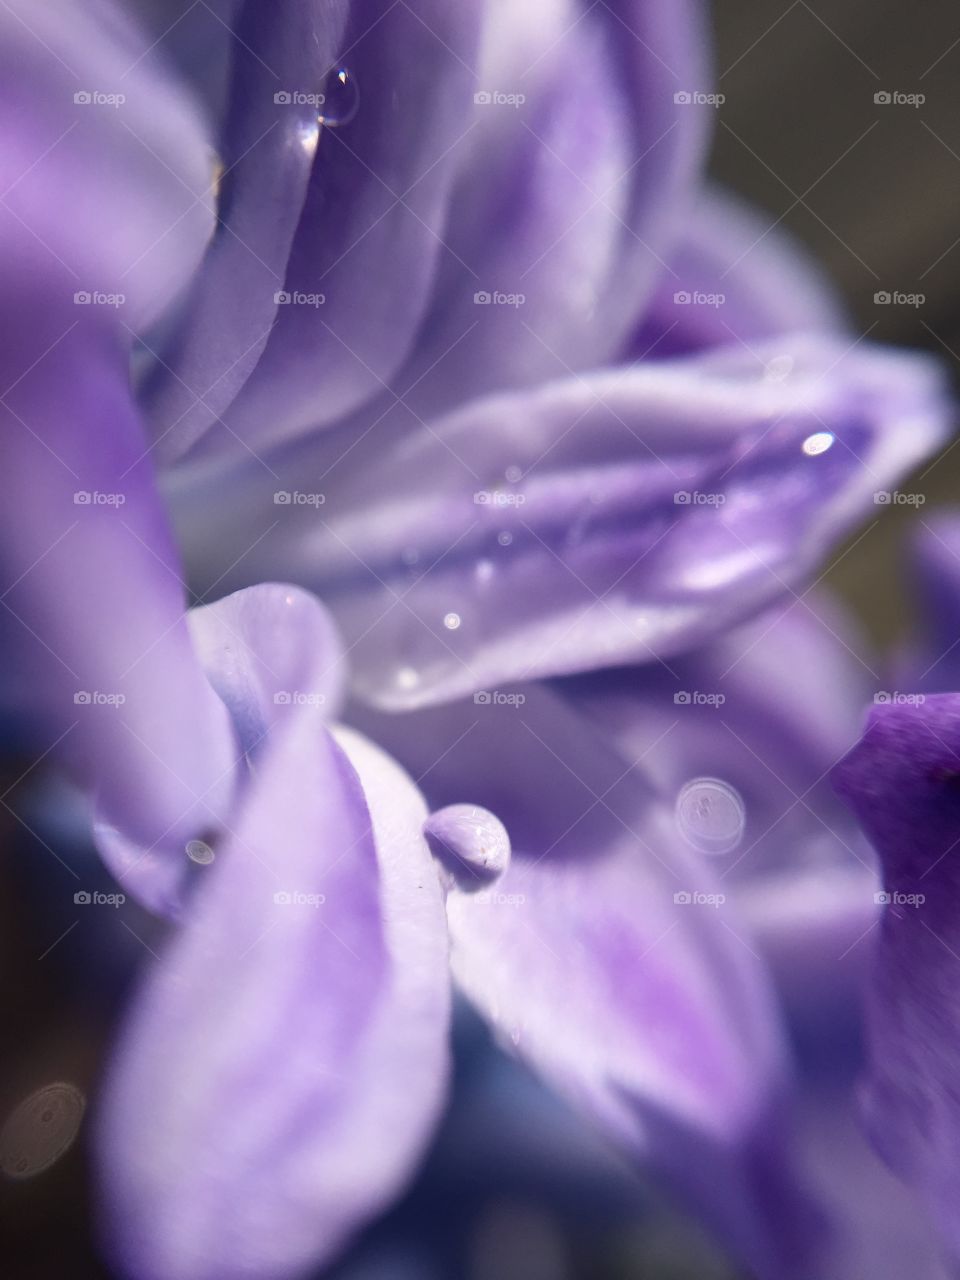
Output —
(242, 1122)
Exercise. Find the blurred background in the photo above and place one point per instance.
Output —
(515, 1189)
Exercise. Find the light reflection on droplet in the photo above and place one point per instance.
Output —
(710, 815)
(505, 539)
(341, 99)
(819, 442)
(452, 621)
(200, 852)
(514, 474)
(470, 842)
(40, 1130)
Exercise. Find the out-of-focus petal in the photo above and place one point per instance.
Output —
(902, 782)
(619, 518)
(242, 1123)
(95, 641)
(589, 162)
(605, 957)
(282, 56)
(734, 278)
(935, 566)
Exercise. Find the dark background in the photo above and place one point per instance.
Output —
(873, 190)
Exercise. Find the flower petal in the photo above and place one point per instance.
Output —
(901, 781)
(312, 951)
(614, 519)
(602, 959)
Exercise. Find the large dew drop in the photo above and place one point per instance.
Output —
(470, 843)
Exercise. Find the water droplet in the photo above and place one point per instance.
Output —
(341, 99)
(779, 368)
(514, 475)
(200, 852)
(470, 842)
(711, 815)
(40, 1130)
(505, 538)
(452, 621)
(819, 442)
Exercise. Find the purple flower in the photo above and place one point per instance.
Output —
(376, 299)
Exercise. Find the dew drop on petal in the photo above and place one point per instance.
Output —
(341, 99)
(710, 815)
(452, 621)
(819, 442)
(40, 1130)
(200, 852)
(514, 475)
(505, 538)
(470, 842)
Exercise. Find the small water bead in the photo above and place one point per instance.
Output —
(200, 852)
(710, 815)
(470, 842)
(452, 621)
(779, 368)
(514, 475)
(818, 443)
(40, 1130)
(341, 99)
(505, 539)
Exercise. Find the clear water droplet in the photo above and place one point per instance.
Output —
(471, 842)
(452, 621)
(514, 475)
(711, 815)
(341, 99)
(505, 538)
(40, 1130)
(200, 852)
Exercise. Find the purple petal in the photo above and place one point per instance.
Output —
(614, 519)
(267, 154)
(936, 578)
(735, 276)
(372, 229)
(269, 653)
(901, 781)
(242, 1123)
(601, 959)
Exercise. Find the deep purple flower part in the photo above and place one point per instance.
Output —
(93, 602)
(901, 781)
(242, 1148)
(591, 522)
(934, 663)
(733, 278)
